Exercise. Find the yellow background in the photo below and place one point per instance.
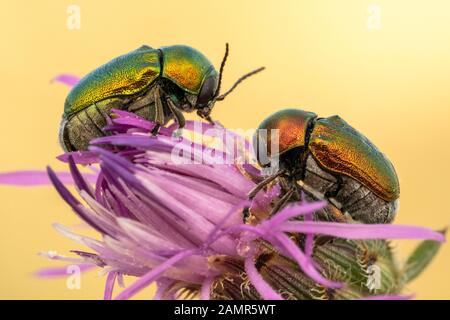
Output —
(392, 84)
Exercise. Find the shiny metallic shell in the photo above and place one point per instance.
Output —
(186, 67)
(292, 125)
(340, 148)
(123, 76)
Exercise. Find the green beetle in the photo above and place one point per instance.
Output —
(326, 158)
(158, 84)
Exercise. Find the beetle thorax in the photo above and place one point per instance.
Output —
(293, 162)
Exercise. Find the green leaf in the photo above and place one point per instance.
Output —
(420, 258)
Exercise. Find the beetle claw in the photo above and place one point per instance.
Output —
(263, 183)
(210, 120)
(155, 129)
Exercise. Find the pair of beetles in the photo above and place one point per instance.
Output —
(323, 158)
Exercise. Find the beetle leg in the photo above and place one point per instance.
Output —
(283, 200)
(337, 214)
(310, 190)
(159, 112)
(263, 183)
(334, 206)
(210, 120)
(256, 189)
(155, 129)
(247, 216)
(159, 108)
(207, 117)
(251, 176)
(177, 114)
(317, 195)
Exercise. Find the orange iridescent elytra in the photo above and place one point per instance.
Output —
(340, 148)
(336, 160)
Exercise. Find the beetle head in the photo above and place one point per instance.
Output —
(281, 132)
(206, 98)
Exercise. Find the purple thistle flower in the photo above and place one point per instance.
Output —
(180, 225)
(67, 79)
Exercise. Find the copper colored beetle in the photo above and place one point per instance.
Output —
(327, 158)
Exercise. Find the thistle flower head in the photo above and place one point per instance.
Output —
(180, 224)
(171, 211)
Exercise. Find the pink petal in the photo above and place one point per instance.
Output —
(162, 286)
(67, 79)
(309, 241)
(363, 231)
(264, 289)
(31, 178)
(56, 272)
(205, 292)
(80, 157)
(305, 263)
(109, 286)
(152, 275)
(295, 210)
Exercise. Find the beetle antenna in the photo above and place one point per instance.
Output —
(222, 65)
(245, 76)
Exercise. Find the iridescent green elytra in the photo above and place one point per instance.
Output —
(158, 84)
(334, 160)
